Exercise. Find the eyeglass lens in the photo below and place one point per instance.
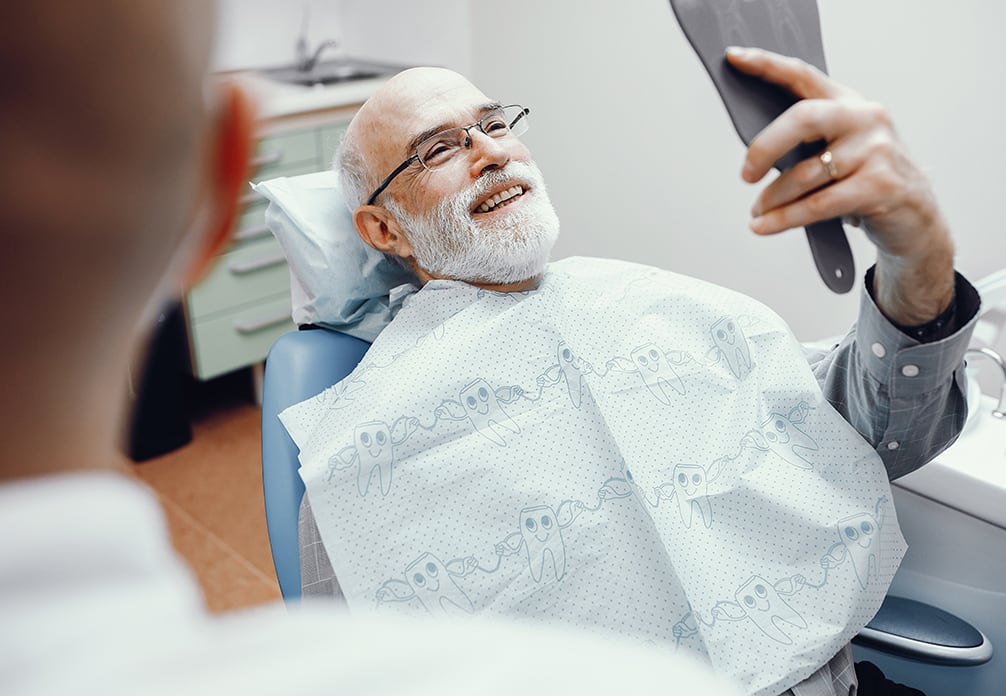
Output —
(438, 149)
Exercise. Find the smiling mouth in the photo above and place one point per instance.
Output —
(501, 199)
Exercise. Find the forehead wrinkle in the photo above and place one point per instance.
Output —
(411, 146)
(391, 115)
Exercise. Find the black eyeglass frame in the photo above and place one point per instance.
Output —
(524, 111)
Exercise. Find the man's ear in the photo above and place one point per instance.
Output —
(379, 229)
(231, 142)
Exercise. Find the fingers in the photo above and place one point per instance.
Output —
(826, 111)
(867, 173)
(800, 78)
(835, 200)
(810, 175)
(806, 121)
(870, 177)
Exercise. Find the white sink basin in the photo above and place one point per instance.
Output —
(970, 476)
(331, 72)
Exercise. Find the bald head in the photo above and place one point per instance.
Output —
(100, 99)
(109, 148)
(378, 137)
(416, 91)
(101, 129)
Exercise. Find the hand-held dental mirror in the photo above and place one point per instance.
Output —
(788, 27)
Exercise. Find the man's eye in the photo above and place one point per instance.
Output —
(495, 126)
(438, 152)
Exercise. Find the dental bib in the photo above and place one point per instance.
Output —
(622, 449)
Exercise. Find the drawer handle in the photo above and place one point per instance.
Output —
(267, 159)
(249, 327)
(250, 198)
(253, 233)
(257, 264)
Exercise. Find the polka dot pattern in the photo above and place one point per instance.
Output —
(624, 449)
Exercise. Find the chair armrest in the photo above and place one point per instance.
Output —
(907, 628)
(300, 364)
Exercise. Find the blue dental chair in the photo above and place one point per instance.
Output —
(913, 642)
(300, 364)
(955, 566)
(307, 216)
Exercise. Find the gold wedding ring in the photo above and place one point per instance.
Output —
(829, 164)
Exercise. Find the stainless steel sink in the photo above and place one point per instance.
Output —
(331, 72)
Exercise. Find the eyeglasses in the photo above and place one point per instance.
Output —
(441, 148)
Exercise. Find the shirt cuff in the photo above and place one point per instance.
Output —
(907, 366)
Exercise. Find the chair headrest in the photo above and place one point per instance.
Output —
(336, 280)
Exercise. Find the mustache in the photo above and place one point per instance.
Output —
(513, 172)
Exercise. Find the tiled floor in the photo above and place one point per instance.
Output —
(211, 490)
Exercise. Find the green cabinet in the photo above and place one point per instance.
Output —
(242, 305)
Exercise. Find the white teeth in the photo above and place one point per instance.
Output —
(498, 198)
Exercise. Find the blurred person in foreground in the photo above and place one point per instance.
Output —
(117, 185)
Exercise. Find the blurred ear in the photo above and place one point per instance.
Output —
(378, 229)
(231, 146)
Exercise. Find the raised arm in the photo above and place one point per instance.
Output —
(868, 176)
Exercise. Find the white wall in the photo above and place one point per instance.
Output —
(263, 33)
(643, 163)
(431, 32)
(640, 156)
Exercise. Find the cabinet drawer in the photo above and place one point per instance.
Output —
(251, 223)
(276, 152)
(243, 304)
(238, 339)
(249, 198)
(253, 271)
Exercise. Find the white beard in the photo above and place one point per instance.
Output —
(514, 245)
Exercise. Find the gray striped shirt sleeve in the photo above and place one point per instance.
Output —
(908, 399)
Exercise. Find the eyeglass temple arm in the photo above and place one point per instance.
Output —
(384, 184)
(523, 112)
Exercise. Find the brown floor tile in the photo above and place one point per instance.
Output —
(211, 490)
(217, 479)
(228, 581)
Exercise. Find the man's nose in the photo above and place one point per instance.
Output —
(486, 153)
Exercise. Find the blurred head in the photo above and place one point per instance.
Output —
(118, 179)
(450, 221)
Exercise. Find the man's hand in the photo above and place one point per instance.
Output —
(870, 178)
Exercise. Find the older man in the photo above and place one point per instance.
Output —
(438, 178)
